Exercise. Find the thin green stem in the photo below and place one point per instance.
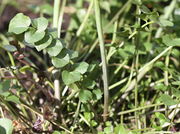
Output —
(166, 80)
(139, 108)
(155, 59)
(118, 14)
(60, 21)
(11, 59)
(85, 19)
(57, 23)
(85, 120)
(56, 13)
(119, 68)
(55, 72)
(76, 114)
(115, 32)
(112, 50)
(118, 83)
(142, 71)
(147, 23)
(124, 7)
(103, 58)
(166, 16)
(129, 79)
(137, 43)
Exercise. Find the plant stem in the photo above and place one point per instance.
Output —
(118, 83)
(111, 50)
(56, 13)
(56, 84)
(130, 78)
(76, 114)
(166, 16)
(103, 58)
(118, 14)
(166, 82)
(125, 6)
(80, 29)
(57, 24)
(11, 59)
(136, 62)
(139, 108)
(142, 71)
(119, 68)
(155, 59)
(60, 21)
(2, 113)
(85, 19)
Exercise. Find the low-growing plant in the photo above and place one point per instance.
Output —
(139, 61)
